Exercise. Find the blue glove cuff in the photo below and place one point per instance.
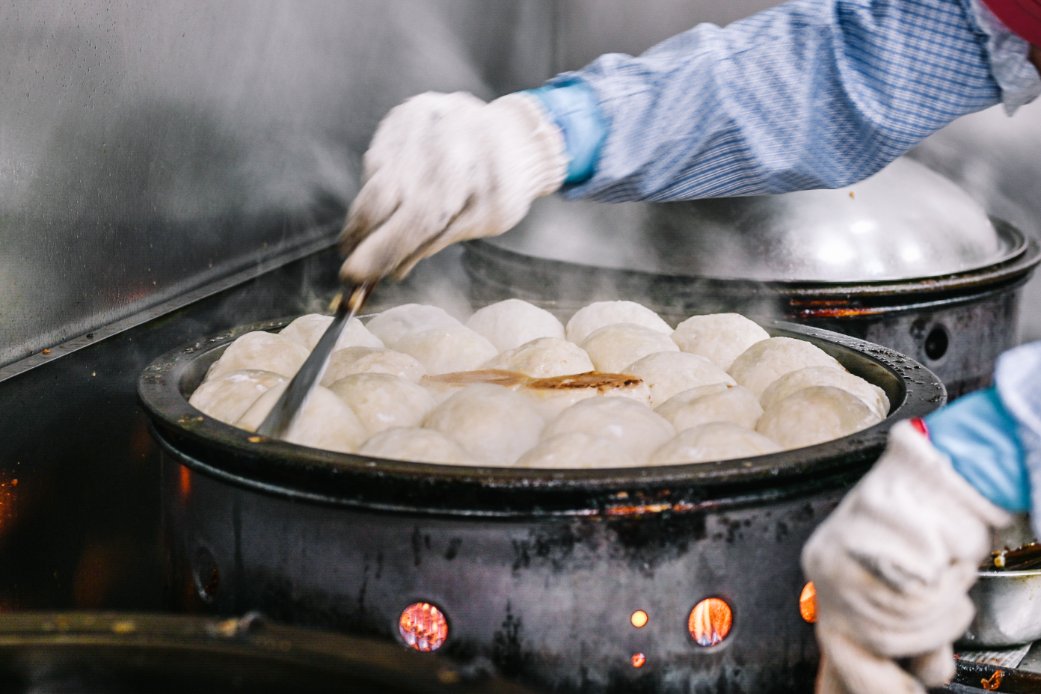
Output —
(980, 437)
(574, 108)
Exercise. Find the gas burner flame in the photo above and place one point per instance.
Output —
(808, 603)
(423, 627)
(710, 622)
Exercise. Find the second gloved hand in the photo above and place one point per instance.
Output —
(444, 168)
(892, 567)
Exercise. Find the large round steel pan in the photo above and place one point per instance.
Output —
(538, 571)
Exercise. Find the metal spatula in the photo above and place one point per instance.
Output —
(281, 416)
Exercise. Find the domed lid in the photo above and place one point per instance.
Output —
(906, 222)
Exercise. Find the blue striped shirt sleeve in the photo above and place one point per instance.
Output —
(809, 94)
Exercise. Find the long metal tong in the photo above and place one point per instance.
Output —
(284, 412)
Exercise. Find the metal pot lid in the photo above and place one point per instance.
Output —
(906, 222)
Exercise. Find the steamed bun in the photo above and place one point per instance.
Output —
(719, 337)
(872, 396)
(576, 450)
(418, 445)
(262, 351)
(686, 396)
(363, 360)
(733, 404)
(227, 397)
(447, 349)
(613, 347)
(592, 317)
(512, 323)
(383, 401)
(669, 373)
(323, 421)
(813, 415)
(394, 324)
(507, 389)
(633, 427)
(715, 441)
(766, 361)
(542, 358)
(307, 330)
(494, 424)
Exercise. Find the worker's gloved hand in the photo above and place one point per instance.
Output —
(892, 567)
(444, 168)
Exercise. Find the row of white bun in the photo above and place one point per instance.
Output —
(616, 386)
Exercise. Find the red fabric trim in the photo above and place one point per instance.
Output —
(1023, 17)
(919, 425)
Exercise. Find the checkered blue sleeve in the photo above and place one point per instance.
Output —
(809, 94)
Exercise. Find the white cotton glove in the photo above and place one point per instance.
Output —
(893, 566)
(444, 168)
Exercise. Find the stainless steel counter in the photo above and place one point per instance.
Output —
(147, 148)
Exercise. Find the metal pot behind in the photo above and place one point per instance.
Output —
(539, 571)
(905, 259)
(956, 325)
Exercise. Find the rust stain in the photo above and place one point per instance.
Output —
(838, 312)
(643, 509)
(831, 308)
(637, 510)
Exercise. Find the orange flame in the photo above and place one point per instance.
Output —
(992, 683)
(184, 483)
(710, 621)
(808, 603)
(423, 627)
(638, 660)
